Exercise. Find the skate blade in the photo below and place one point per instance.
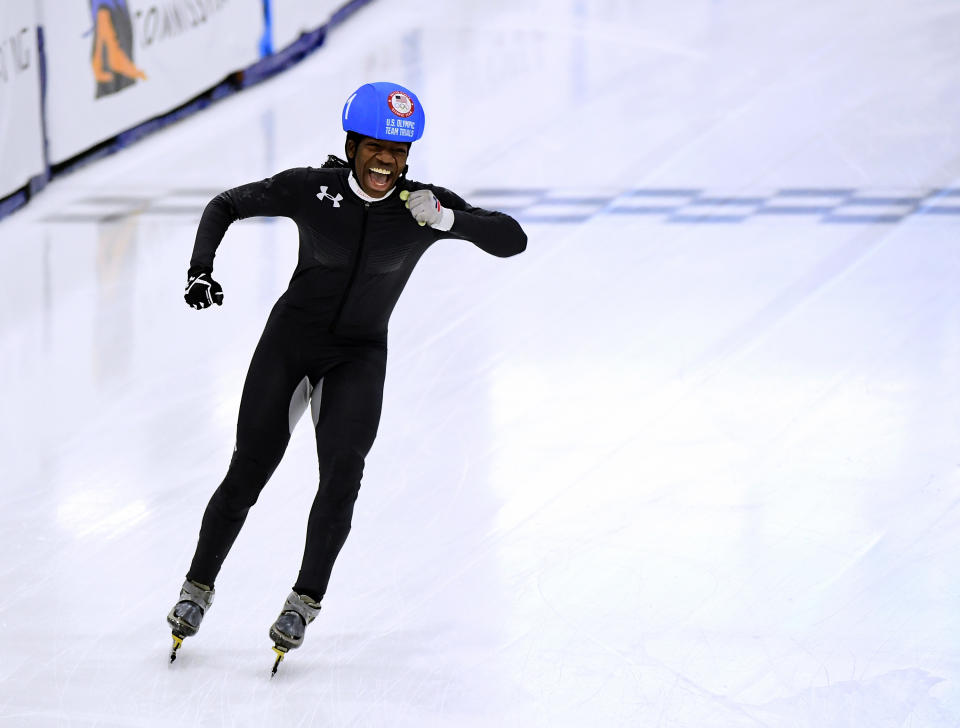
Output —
(177, 641)
(281, 651)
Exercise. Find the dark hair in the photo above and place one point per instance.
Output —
(334, 161)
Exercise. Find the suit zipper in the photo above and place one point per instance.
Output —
(353, 272)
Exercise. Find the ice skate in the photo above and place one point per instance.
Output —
(185, 617)
(288, 631)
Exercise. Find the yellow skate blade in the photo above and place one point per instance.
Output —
(280, 653)
(177, 641)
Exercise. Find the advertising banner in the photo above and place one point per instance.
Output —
(21, 133)
(293, 17)
(113, 64)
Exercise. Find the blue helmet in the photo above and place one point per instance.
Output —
(386, 111)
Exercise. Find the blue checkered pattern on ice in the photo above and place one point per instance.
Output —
(832, 205)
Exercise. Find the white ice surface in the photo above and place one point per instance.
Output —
(649, 473)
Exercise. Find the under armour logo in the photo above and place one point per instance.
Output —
(323, 193)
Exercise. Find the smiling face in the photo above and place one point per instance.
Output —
(377, 163)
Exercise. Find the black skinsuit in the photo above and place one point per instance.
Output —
(330, 329)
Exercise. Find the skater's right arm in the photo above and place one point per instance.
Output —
(272, 197)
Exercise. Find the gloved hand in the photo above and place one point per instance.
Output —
(427, 210)
(202, 291)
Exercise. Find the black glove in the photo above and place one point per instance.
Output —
(202, 291)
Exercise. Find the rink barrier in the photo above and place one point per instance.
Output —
(22, 164)
(297, 42)
(115, 64)
(298, 49)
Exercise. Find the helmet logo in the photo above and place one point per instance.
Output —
(400, 104)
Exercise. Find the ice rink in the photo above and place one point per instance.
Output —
(690, 461)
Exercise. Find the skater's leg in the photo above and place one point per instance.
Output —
(351, 399)
(263, 431)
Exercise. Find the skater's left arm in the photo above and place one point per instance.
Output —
(494, 232)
